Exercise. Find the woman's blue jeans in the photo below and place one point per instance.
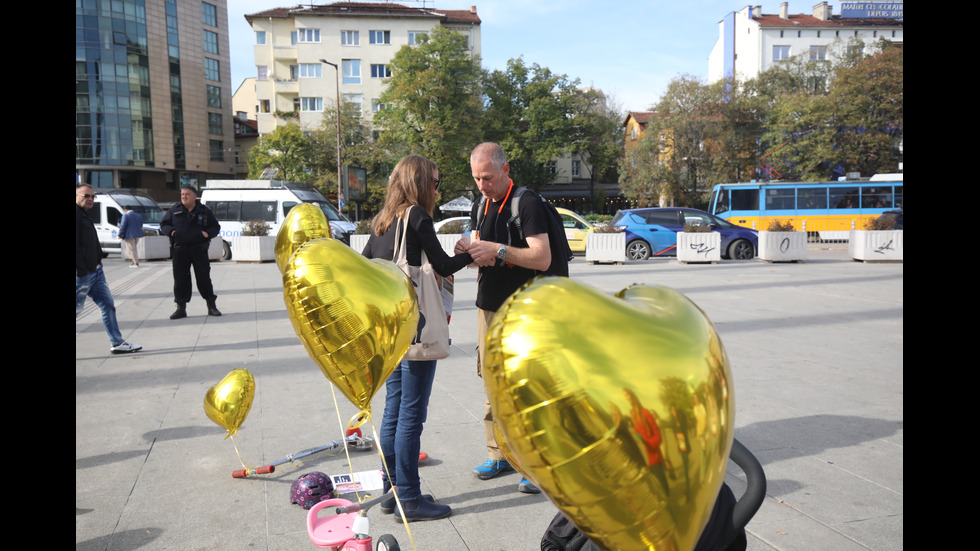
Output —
(406, 403)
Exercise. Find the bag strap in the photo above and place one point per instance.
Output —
(401, 240)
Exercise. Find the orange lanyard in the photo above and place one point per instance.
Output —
(486, 207)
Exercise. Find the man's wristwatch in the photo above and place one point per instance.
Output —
(502, 252)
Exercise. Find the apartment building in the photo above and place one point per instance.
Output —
(301, 52)
(750, 42)
(152, 94)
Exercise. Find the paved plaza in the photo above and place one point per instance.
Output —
(816, 352)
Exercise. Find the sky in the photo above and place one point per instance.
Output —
(630, 49)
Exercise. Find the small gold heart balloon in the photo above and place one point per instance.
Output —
(305, 221)
(228, 402)
(356, 317)
(619, 407)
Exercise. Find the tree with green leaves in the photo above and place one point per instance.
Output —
(699, 135)
(432, 106)
(597, 138)
(357, 148)
(819, 129)
(530, 112)
(286, 149)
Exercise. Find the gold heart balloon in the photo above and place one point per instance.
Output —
(619, 407)
(356, 317)
(305, 221)
(228, 402)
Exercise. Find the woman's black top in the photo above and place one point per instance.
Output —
(421, 236)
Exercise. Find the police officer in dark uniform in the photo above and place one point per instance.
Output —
(191, 226)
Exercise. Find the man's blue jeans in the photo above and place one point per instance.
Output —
(406, 403)
(94, 285)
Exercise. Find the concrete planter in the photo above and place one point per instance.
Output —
(877, 246)
(253, 248)
(782, 246)
(605, 247)
(216, 249)
(359, 241)
(150, 247)
(448, 241)
(698, 247)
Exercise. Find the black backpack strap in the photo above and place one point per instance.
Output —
(515, 213)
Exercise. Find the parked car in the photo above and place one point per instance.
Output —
(576, 228)
(465, 220)
(653, 232)
(895, 215)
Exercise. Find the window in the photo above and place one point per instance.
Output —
(355, 100)
(844, 198)
(308, 35)
(380, 37)
(310, 70)
(780, 199)
(264, 106)
(217, 150)
(214, 96)
(380, 71)
(212, 69)
(211, 42)
(876, 198)
(634, 134)
(258, 210)
(352, 71)
(311, 104)
(812, 198)
(293, 37)
(551, 168)
(293, 72)
(780, 53)
(350, 38)
(818, 53)
(209, 14)
(262, 72)
(214, 123)
(376, 105)
(413, 37)
(259, 37)
(576, 168)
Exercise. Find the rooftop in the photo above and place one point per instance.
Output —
(369, 9)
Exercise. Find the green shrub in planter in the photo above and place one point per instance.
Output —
(696, 227)
(256, 227)
(363, 227)
(456, 226)
(606, 228)
(886, 223)
(780, 225)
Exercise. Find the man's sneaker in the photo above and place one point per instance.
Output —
(525, 487)
(125, 348)
(491, 468)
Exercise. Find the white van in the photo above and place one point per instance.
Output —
(107, 212)
(235, 202)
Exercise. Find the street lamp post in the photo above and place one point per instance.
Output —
(339, 166)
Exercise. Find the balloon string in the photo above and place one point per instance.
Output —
(398, 501)
(343, 430)
(237, 453)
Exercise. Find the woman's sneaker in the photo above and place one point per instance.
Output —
(491, 468)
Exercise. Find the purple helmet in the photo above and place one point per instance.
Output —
(310, 489)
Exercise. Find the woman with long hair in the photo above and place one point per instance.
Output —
(414, 182)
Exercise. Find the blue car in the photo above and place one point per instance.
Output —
(653, 232)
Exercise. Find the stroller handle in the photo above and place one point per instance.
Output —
(755, 491)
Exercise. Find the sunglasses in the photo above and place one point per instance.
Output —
(87, 195)
(437, 182)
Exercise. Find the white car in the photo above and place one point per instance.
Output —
(464, 219)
